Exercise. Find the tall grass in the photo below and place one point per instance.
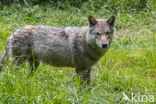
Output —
(128, 66)
(112, 5)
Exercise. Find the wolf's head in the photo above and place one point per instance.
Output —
(101, 31)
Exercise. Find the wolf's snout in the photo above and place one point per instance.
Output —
(104, 45)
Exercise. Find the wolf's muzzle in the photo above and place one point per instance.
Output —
(104, 45)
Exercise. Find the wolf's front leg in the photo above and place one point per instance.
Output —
(84, 75)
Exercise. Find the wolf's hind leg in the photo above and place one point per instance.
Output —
(33, 63)
(18, 61)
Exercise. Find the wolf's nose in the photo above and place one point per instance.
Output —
(104, 45)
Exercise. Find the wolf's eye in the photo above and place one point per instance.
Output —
(107, 33)
(97, 33)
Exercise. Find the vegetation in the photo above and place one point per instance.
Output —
(128, 67)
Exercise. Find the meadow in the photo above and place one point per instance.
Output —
(128, 67)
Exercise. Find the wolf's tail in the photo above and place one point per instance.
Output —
(2, 59)
(5, 54)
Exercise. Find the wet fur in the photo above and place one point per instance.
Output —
(59, 46)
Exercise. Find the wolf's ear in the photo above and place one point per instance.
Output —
(111, 20)
(92, 21)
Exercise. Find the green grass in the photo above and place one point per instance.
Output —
(129, 65)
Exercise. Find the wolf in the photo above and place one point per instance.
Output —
(77, 47)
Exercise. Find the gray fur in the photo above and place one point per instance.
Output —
(78, 47)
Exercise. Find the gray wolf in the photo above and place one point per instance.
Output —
(77, 47)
